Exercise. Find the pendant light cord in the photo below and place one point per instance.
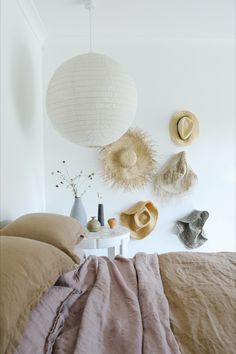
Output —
(90, 6)
(91, 30)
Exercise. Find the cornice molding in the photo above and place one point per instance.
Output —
(34, 20)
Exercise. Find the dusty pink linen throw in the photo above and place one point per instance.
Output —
(112, 307)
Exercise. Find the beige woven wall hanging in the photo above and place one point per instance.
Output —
(129, 163)
(184, 128)
(141, 219)
(175, 178)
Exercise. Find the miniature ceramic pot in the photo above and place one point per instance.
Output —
(112, 222)
(93, 225)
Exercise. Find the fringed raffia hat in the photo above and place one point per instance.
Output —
(141, 219)
(184, 128)
(129, 163)
(175, 178)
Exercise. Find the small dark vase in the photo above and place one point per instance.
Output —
(101, 214)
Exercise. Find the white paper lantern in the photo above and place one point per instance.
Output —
(91, 100)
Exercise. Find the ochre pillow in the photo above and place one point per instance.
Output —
(60, 231)
(27, 269)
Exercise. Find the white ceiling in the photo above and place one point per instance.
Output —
(191, 19)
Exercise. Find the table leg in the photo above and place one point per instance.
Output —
(113, 251)
(124, 248)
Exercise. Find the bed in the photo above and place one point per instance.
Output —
(55, 302)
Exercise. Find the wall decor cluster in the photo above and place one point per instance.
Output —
(190, 229)
(141, 219)
(130, 162)
(184, 128)
(91, 99)
(176, 177)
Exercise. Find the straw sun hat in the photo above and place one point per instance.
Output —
(140, 219)
(184, 128)
(129, 162)
(176, 177)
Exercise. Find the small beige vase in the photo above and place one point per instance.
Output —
(93, 225)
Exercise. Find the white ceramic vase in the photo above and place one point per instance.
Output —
(78, 211)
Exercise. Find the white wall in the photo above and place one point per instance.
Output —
(170, 76)
(22, 166)
(196, 75)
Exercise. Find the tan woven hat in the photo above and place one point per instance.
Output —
(129, 162)
(140, 219)
(175, 178)
(184, 128)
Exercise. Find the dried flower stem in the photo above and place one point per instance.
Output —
(78, 184)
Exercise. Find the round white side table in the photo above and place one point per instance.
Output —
(114, 240)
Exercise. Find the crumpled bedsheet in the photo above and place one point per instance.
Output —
(103, 307)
